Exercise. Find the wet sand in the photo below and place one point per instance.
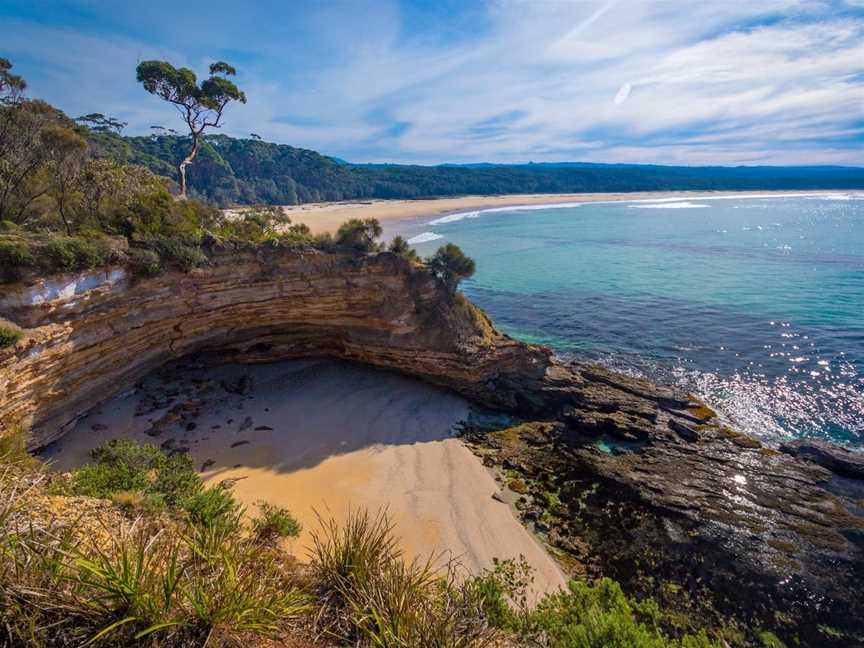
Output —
(325, 436)
(328, 216)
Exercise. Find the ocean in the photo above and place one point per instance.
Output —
(754, 303)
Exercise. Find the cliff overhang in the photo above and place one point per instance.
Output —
(735, 515)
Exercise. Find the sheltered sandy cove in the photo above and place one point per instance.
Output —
(325, 436)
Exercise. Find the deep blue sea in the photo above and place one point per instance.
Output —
(756, 304)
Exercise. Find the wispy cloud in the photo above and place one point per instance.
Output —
(508, 80)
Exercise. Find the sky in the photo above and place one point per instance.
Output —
(430, 81)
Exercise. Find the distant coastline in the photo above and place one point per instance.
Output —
(328, 216)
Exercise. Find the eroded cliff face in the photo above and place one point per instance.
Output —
(680, 498)
(90, 336)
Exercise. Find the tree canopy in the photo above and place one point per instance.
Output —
(200, 105)
(12, 86)
(451, 265)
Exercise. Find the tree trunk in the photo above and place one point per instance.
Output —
(186, 162)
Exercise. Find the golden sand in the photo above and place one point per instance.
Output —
(332, 437)
(328, 216)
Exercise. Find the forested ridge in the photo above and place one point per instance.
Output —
(250, 171)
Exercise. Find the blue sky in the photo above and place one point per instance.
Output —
(430, 81)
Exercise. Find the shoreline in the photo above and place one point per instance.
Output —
(276, 436)
(326, 217)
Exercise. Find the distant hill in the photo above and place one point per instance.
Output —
(232, 171)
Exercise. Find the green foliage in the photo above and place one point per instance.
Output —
(502, 591)
(148, 584)
(231, 171)
(451, 265)
(258, 223)
(359, 234)
(11, 85)
(370, 596)
(47, 254)
(144, 262)
(179, 252)
(769, 639)
(601, 616)
(274, 523)
(9, 336)
(13, 451)
(400, 247)
(201, 106)
(211, 506)
(69, 253)
(126, 466)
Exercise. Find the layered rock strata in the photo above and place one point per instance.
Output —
(648, 478)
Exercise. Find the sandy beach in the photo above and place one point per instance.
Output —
(328, 437)
(328, 216)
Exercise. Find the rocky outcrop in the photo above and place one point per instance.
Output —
(649, 483)
(93, 335)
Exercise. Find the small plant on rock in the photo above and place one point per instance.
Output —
(9, 336)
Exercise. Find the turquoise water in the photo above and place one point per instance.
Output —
(757, 304)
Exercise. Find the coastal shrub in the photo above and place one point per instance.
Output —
(275, 523)
(71, 253)
(359, 234)
(370, 596)
(180, 252)
(14, 456)
(145, 584)
(210, 506)
(451, 265)
(9, 336)
(355, 550)
(601, 616)
(48, 253)
(400, 247)
(129, 467)
(503, 593)
(15, 255)
(144, 262)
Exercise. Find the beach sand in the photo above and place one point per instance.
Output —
(329, 437)
(328, 216)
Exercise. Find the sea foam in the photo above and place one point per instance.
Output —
(669, 205)
(425, 237)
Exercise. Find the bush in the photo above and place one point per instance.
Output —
(399, 246)
(601, 616)
(129, 467)
(210, 506)
(275, 523)
(370, 596)
(148, 584)
(181, 252)
(9, 336)
(70, 253)
(50, 253)
(451, 265)
(144, 262)
(359, 234)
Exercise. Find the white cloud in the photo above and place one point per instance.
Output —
(674, 82)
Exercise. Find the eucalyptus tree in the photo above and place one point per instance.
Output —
(12, 86)
(102, 124)
(200, 105)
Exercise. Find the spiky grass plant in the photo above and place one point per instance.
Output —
(157, 582)
(370, 596)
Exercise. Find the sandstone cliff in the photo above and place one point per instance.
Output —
(682, 495)
(90, 336)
